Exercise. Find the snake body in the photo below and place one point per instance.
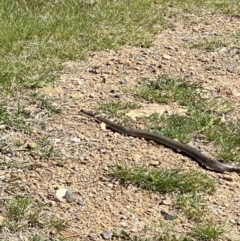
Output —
(188, 150)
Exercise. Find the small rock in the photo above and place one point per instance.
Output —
(31, 145)
(3, 177)
(230, 69)
(168, 215)
(2, 127)
(107, 235)
(215, 209)
(154, 163)
(60, 193)
(81, 136)
(228, 177)
(2, 220)
(233, 221)
(71, 197)
(91, 95)
(167, 201)
(81, 203)
(136, 158)
(51, 203)
(110, 185)
(103, 126)
(92, 237)
(76, 95)
(110, 63)
(232, 184)
(166, 56)
(123, 224)
(94, 71)
(75, 139)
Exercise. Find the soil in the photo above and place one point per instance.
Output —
(101, 203)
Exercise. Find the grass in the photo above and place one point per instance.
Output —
(216, 42)
(192, 204)
(165, 180)
(118, 108)
(23, 212)
(208, 231)
(37, 36)
(203, 119)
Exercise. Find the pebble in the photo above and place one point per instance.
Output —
(233, 221)
(75, 139)
(228, 177)
(31, 145)
(136, 158)
(81, 203)
(230, 69)
(166, 56)
(168, 215)
(215, 209)
(2, 220)
(107, 235)
(71, 197)
(167, 201)
(2, 127)
(92, 237)
(60, 193)
(154, 163)
(123, 224)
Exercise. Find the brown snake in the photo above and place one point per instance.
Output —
(188, 150)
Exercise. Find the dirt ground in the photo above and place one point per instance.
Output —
(102, 204)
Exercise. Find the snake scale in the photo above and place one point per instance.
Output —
(188, 150)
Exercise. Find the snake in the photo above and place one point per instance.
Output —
(196, 155)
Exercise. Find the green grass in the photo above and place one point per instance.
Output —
(23, 212)
(164, 89)
(118, 108)
(45, 103)
(193, 205)
(37, 36)
(203, 119)
(216, 42)
(165, 180)
(208, 231)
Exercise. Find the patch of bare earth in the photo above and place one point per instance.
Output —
(89, 151)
